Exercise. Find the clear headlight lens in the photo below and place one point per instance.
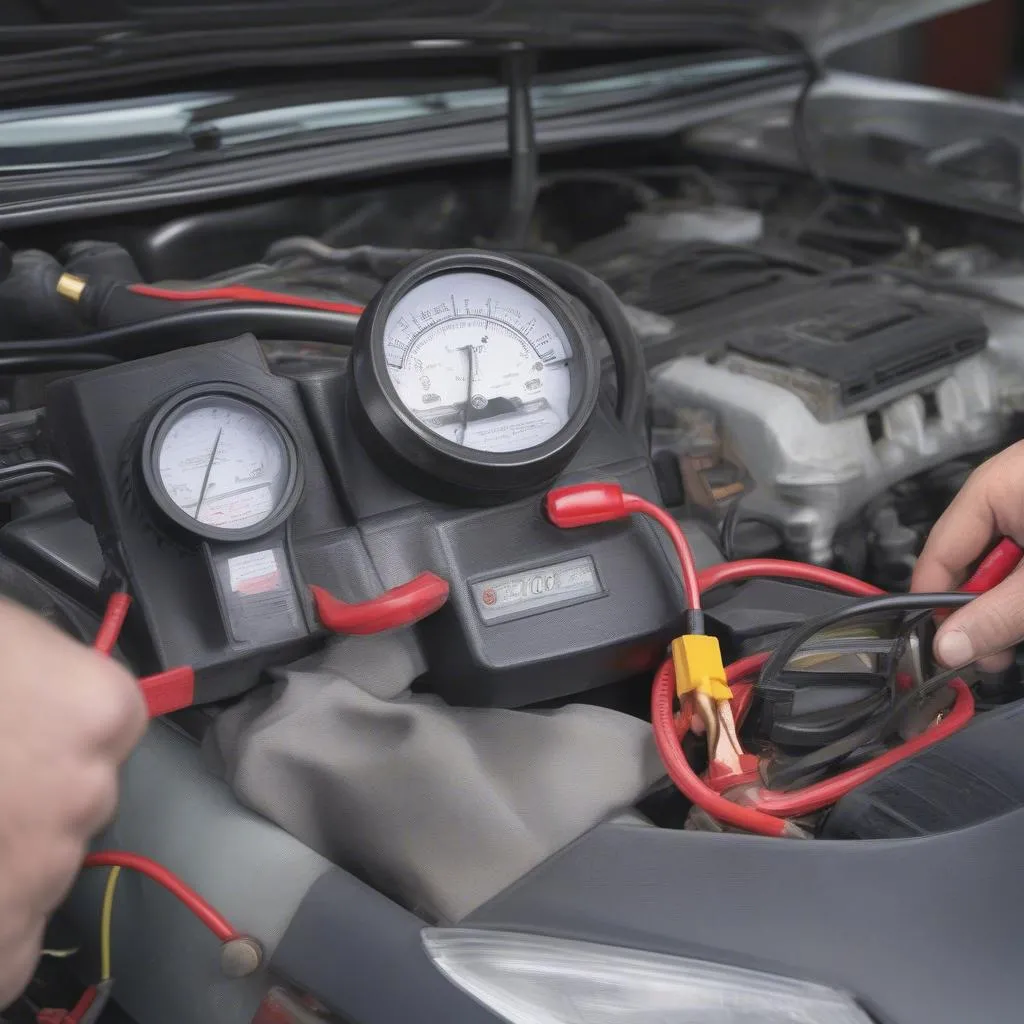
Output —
(533, 979)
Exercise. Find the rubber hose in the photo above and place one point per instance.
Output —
(199, 326)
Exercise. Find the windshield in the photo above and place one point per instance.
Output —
(152, 129)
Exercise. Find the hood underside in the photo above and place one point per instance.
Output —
(829, 25)
(824, 25)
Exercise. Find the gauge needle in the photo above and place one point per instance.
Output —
(209, 470)
(471, 373)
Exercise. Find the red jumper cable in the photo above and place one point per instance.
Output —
(244, 293)
(596, 503)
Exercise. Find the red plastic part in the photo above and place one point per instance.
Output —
(995, 567)
(722, 778)
(88, 1010)
(682, 774)
(169, 691)
(210, 917)
(401, 606)
(586, 505)
(244, 293)
(113, 622)
(593, 503)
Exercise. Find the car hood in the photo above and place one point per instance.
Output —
(829, 25)
(824, 25)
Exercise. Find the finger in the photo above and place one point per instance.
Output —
(959, 538)
(998, 662)
(990, 625)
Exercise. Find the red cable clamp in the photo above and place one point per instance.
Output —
(86, 1011)
(401, 606)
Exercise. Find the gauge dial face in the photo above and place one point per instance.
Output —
(223, 463)
(480, 362)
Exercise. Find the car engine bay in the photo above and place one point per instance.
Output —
(398, 523)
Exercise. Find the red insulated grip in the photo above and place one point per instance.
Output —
(401, 606)
(586, 505)
(995, 567)
(169, 691)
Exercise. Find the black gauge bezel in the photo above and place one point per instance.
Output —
(170, 412)
(431, 464)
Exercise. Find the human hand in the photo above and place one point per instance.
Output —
(990, 506)
(68, 718)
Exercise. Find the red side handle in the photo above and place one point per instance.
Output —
(401, 606)
(169, 691)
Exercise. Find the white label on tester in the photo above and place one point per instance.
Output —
(255, 573)
(537, 589)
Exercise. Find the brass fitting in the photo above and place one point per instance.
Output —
(71, 287)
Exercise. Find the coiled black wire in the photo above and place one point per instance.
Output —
(801, 771)
(872, 606)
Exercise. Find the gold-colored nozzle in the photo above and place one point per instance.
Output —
(70, 287)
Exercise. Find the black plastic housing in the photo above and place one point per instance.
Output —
(807, 710)
(865, 348)
(356, 531)
(751, 615)
(543, 653)
(97, 421)
(975, 775)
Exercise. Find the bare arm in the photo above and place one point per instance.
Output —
(68, 718)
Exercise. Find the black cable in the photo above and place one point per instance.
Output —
(731, 523)
(792, 643)
(54, 363)
(522, 148)
(802, 771)
(801, 134)
(197, 326)
(379, 261)
(33, 472)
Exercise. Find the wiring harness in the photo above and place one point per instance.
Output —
(694, 691)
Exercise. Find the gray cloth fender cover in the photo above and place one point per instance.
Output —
(439, 807)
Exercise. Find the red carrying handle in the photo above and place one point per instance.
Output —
(401, 606)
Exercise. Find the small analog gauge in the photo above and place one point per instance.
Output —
(221, 466)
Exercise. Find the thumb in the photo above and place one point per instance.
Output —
(989, 625)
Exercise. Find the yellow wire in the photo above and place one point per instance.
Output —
(108, 913)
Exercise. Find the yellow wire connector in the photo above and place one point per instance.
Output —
(699, 669)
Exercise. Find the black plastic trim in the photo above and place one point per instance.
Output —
(921, 931)
(362, 956)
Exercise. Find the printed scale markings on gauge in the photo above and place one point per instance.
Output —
(479, 361)
(223, 463)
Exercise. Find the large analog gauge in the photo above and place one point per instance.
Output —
(473, 371)
(221, 465)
